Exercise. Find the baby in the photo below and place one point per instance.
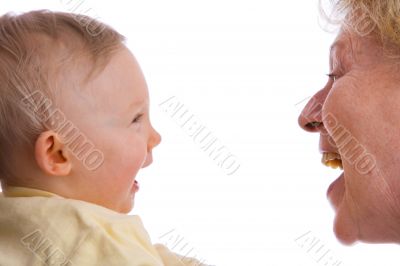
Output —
(74, 132)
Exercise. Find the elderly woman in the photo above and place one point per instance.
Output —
(357, 115)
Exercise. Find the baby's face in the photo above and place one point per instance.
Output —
(113, 113)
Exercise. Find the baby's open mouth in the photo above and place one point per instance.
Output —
(135, 186)
(332, 159)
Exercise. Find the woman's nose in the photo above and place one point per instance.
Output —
(310, 118)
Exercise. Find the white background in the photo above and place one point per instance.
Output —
(240, 67)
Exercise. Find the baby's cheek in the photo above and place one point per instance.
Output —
(123, 155)
(132, 157)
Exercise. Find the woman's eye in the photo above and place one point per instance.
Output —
(332, 76)
(137, 118)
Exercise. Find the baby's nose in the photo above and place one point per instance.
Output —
(155, 138)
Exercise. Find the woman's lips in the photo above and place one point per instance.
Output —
(331, 186)
(335, 191)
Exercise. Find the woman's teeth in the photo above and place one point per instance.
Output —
(332, 159)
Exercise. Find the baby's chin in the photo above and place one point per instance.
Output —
(120, 207)
(127, 207)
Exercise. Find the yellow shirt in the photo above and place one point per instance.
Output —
(41, 228)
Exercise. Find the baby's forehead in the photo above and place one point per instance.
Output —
(118, 88)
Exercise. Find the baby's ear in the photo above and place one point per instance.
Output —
(52, 155)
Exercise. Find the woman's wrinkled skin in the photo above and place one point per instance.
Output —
(362, 98)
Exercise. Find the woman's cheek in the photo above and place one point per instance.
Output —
(330, 113)
(338, 110)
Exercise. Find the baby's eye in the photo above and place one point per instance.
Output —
(137, 118)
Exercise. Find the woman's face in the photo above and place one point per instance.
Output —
(357, 115)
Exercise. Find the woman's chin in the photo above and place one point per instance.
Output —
(345, 228)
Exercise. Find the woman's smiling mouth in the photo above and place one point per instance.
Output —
(332, 159)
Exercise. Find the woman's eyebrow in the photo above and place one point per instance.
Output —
(339, 44)
(338, 47)
(336, 50)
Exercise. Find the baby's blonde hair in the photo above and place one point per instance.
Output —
(40, 50)
(380, 17)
